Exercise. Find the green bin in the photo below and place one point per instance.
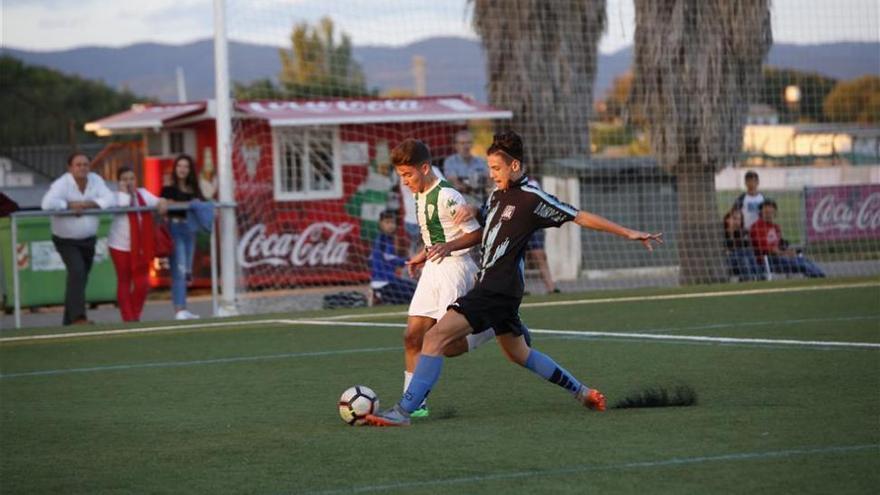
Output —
(41, 273)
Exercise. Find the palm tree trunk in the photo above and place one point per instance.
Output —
(541, 62)
(697, 64)
(700, 238)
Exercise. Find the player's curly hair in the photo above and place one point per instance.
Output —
(508, 143)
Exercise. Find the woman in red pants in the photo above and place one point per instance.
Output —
(131, 244)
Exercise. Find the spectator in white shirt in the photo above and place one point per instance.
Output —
(750, 201)
(132, 245)
(74, 235)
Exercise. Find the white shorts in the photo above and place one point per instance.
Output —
(441, 284)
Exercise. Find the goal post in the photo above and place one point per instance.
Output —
(223, 104)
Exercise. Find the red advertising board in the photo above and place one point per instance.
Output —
(842, 213)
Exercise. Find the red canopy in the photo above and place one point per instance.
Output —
(306, 112)
(144, 117)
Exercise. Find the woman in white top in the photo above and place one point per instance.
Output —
(131, 244)
(74, 236)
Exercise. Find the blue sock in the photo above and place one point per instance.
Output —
(547, 368)
(424, 377)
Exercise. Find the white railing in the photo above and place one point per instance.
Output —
(13, 225)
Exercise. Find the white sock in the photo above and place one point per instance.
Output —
(475, 340)
(407, 377)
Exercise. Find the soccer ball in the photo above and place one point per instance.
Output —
(356, 402)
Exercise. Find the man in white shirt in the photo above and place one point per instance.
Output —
(750, 201)
(74, 236)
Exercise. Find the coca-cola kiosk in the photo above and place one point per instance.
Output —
(311, 176)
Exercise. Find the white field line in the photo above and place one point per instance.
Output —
(128, 331)
(628, 335)
(715, 340)
(661, 297)
(365, 324)
(570, 333)
(198, 362)
(568, 471)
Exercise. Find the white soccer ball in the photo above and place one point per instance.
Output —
(356, 402)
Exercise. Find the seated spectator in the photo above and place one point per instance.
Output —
(740, 257)
(769, 244)
(384, 262)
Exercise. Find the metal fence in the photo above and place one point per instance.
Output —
(109, 211)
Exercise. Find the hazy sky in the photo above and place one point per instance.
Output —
(60, 24)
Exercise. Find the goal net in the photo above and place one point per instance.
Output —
(646, 114)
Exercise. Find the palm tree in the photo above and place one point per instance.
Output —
(697, 63)
(541, 58)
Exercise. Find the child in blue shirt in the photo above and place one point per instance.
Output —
(384, 263)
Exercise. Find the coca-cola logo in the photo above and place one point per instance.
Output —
(319, 244)
(831, 213)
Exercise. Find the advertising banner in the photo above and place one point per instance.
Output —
(842, 213)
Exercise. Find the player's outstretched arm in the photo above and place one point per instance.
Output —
(595, 222)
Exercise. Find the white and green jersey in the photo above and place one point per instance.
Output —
(435, 209)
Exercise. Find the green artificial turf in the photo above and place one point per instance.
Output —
(251, 408)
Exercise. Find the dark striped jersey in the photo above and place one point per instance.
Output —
(512, 215)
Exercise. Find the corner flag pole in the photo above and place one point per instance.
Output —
(222, 98)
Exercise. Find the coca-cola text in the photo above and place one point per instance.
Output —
(319, 244)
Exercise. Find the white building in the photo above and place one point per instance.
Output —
(838, 143)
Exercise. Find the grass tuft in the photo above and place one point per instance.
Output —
(659, 396)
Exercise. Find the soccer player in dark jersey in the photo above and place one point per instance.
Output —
(514, 211)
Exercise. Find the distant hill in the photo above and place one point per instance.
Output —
(455, 65)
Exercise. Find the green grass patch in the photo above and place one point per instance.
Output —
(251, 408)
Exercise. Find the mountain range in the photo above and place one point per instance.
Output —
(454, 65)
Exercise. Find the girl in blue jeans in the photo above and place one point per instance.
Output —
(184, 188)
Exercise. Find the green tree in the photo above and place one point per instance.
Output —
(813, 90)
(541, 60)
(616, 106)
(43, 106)
(857, 100)
(315, 66)
(261, 89)
(697, 64)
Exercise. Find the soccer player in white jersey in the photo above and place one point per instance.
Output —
(449, 271)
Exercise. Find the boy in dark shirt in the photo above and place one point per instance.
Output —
(513, 212)
(384, 263)
(740, 257)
